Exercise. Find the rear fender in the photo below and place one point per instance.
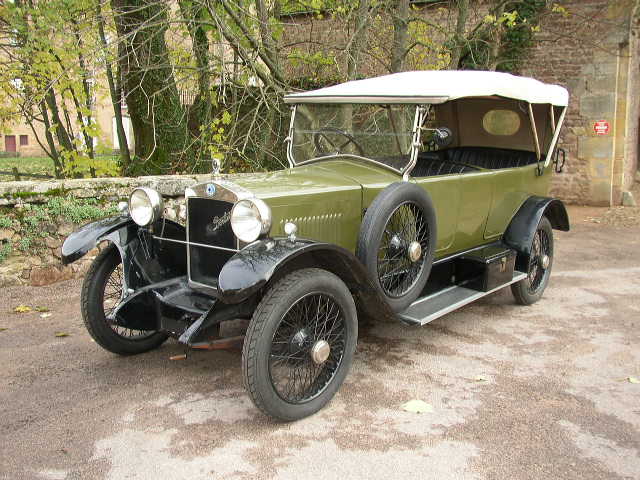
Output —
(263, 262)
(520, 232)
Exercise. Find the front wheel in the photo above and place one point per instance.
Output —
(529, 290)
(300, 344)
(101, 293)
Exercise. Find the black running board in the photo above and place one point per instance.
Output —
(427, 309)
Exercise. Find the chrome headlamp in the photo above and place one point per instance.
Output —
(145, 206)
(250, 219)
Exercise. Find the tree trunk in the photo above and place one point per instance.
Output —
(458, 38)
(200, 111)
(58, 164)
(116, 96)
(495, 40)
(61, 133)
(400, 34)
(159, 119)
(354, 48)
(88, 104)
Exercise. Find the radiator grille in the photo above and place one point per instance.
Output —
(208, 224)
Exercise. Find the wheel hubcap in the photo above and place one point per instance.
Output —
(320, 352)
(414, 251)
(544, 261)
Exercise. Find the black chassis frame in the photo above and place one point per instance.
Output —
(158, 295)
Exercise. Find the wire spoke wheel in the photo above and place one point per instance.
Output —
(300, 344)
(111, 297)
(537, 266)
(539, 260)
(102, 292)
(307, 348)
(406, 228)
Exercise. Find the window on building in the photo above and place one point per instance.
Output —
(24, 140)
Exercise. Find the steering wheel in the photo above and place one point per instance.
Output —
(322, 134)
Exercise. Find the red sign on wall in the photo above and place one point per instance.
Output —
(601, 127)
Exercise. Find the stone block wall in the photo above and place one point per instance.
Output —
(592, 52)
(40, 264)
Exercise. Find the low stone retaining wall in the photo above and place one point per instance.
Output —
(36, 217)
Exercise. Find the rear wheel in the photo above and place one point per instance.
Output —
(530, 289)
(300, 344)
(102, 290)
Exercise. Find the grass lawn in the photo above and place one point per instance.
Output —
(39, 165)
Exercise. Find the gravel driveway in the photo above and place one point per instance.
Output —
(517, 392)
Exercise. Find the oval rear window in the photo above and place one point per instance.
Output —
(501, 122)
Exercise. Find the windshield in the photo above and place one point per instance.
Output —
(378, 132)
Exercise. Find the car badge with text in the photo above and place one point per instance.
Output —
(211, 189)
(218, 222)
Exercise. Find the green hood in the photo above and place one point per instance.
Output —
(325, 200)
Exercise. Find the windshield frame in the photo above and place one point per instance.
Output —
(421, 113)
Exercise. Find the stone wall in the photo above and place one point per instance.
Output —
(593, 52)
(39, 262)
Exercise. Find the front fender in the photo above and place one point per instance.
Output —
(87, 237)
(251, 269)
(520, 232)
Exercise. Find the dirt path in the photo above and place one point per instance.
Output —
(518, 392)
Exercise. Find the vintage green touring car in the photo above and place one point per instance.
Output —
(407, 197)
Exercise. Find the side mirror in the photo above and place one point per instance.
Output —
(559, 161)
(443, 136)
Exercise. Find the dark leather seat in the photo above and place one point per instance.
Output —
(429, 167)
(462, 160)
(490, 158)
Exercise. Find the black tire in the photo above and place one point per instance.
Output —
(280, 338)
(375, 239)
(531, 289)
(109, 336)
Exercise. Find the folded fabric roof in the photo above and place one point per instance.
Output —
(435, 86)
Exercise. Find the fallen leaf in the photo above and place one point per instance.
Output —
(178, 357)
(61, 334)
(2, 329)
(41, 309)
(45, 315)
(417, 406)
(481, 378)
(633, 380)
(22, 309)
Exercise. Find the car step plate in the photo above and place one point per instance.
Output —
(427, 309)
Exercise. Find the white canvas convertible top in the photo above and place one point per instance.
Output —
(436, 86)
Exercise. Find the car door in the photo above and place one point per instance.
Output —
(508, 195)
(476, 196)
(444, 191)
